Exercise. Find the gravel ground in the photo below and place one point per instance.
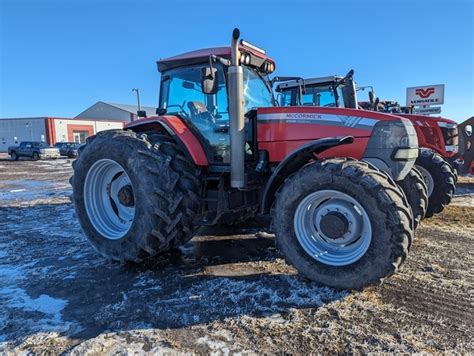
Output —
(226, 291)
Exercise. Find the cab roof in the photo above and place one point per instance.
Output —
(202, 55)
(307, 82)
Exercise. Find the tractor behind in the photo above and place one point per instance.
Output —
(437, 137)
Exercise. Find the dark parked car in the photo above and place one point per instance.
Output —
(35, 150)
(70, 149)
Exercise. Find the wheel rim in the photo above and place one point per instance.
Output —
(428, 178)
(109, 199)
(320, 213)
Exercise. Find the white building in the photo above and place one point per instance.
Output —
(50, 130)
(100, 116)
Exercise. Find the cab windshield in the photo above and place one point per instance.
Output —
(181, 94)
(257, 93)
(322, 95)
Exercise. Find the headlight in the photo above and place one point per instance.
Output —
(393, 134)
(447, 125)
(42, 150)
(405, 153)
(247, 59)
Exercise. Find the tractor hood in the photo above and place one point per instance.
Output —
(424, 118)
(328, 122)
(387, 141)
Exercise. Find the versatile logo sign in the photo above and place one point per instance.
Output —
(425, 95)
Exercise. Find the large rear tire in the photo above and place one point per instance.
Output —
(414, 187)
(342, 223)
(132, 197)
(439, 179)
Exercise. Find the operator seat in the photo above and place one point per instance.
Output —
(196, 108)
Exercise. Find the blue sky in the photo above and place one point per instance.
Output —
(59, 57)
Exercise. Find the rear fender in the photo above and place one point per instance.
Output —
(294, 161)
(178, 131)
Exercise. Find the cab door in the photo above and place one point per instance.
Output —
(25, 149)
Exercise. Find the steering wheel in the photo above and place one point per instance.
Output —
(206, 117)
(181, 109)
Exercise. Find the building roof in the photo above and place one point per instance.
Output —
(150, 111)
(132, 109)
(23, 118)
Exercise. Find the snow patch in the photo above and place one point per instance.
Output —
(26, 189)
(217, 347)
(43, 304)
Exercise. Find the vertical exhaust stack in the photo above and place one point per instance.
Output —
(237, 119)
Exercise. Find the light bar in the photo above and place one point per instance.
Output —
(255, 48)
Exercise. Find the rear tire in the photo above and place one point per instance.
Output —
(190, 181)
(439, 178)
(378, 199)
(416, 192)
(163, 215)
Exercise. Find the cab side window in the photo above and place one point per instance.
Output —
(182, 95)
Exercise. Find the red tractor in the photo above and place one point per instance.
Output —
(221, 151)
(437, 137)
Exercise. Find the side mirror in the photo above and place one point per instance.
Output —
(349, 94)
(141, 113)
(209, 80)
(371, 97)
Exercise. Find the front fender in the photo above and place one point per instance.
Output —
(177, 130)
(294, 161)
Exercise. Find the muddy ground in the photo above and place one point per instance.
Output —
(225, 291)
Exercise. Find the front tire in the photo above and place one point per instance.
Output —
(439, 179)
(36, 156)
(14, 156)
(414, 187)
(130, 196)
(358, 223)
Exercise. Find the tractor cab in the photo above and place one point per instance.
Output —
(331, 91)
(312, 92)
(194, 87)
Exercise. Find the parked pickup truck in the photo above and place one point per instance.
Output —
(35, 150)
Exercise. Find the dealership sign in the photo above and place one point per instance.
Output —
(425, 95)
(429, 110)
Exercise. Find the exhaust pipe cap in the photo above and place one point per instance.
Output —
(236, 33)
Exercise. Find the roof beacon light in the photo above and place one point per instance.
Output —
(255, 48)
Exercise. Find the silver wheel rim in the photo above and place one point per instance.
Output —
(348, 248)
(428, 178)
(106, 211)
